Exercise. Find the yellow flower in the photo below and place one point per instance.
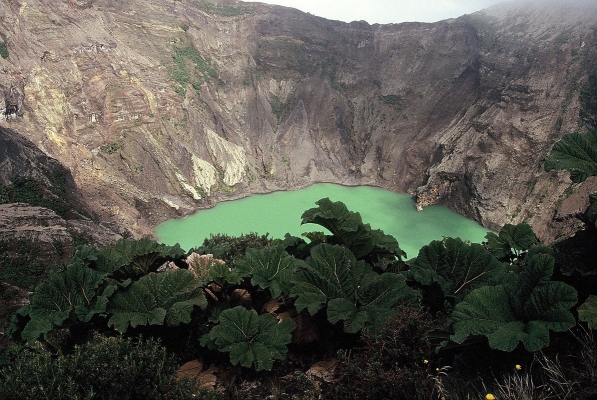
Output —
(425, 361)
(517, 367)
(489, 396)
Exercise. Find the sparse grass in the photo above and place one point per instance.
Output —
(224, 10)
(547, 378)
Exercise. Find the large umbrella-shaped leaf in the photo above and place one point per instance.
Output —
(331, 272)
(252, 339)
(522, 312)
(167, 297)
(458, 267)
(511, 239)
(576, 153)
(137, 256)
(588, 312)
(271, 267)
(350, 289)
(74, 293)
(348, 229)
(376, 300)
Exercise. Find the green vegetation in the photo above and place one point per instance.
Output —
(269, 268)
(50, 194)
(22, 270)
(343, 306)
(224, 10)
(156, 299)
(393, 100)
(251, 338)
(588, 312)
(201, 69)
(4, 50)
(449, 269)
(280, 109)
(113, 147)
(521, 312)
(129, 369)
(350, 291)
(576, 153)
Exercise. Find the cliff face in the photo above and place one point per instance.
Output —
(43, 216)
(162, 107)
(41, 208)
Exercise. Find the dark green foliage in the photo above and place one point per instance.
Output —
(271, 268)
(229, 248)
(81, 292)
(393, 100)
(588, 312)
(4, 195)
(155, 299)
(75, 295)
(105, 368)
(280, 109)
(52, 191)
(350, 289)
(265, 293)
(348, 229)
(22, 269)
(127, 258)
(113, 147)
(522, 312)
(3, 50)
(251, 339)
(511, 242)
(390, 363)
(455, 268)
(35, 193)
(576, 153)
(222, 275)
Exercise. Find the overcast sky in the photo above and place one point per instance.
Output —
(387, 11)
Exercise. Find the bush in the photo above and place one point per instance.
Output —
(105, 368)
(393, 362)
(229, 248)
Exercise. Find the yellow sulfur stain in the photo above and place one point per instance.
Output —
(49, 104)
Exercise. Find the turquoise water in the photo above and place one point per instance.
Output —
(280, 212)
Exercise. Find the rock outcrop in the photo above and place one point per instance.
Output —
(43, 216)
(162, 107)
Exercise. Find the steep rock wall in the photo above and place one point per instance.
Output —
(160, 108)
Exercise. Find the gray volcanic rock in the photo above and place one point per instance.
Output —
(46, 233)
(159, 108)
(43, 216)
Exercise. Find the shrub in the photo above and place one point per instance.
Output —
(105, 368)
(228, 248)
(390, 364)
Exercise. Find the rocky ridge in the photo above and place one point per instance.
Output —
(40, 205)
(160, 108)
